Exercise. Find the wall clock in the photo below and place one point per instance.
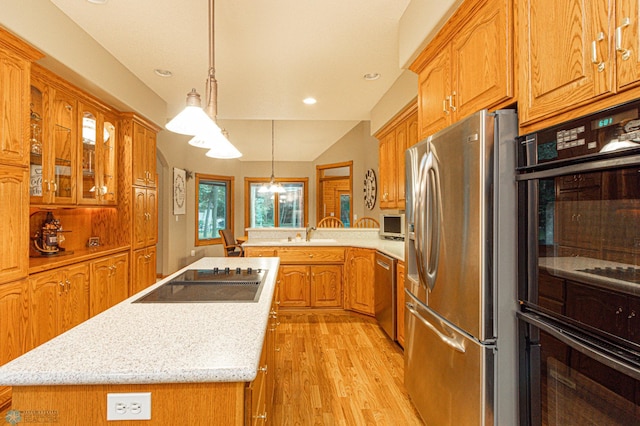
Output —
(179, 191)
(370, 189)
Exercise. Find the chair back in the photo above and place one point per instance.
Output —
(366, 222)
(330, 222)
(229, 244)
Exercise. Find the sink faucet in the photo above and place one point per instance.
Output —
(308, 232)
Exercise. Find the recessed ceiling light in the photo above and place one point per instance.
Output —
(371, 76)
(97, 1)
(163, 73)
(309, 101)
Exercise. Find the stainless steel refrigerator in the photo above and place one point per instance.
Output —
(460, 285)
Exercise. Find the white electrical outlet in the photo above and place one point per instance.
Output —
(129, 406)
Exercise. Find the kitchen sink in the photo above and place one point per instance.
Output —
(210, 285)
(311, 241)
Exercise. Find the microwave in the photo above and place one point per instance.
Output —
(392, 226)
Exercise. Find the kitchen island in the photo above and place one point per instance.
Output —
(200, 361)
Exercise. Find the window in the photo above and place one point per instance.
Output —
(290, 210)
(214, 207)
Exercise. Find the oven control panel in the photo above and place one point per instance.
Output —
(611, 130)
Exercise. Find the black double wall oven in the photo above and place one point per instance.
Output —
(579, 271)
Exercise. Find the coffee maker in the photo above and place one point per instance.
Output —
(48, 238)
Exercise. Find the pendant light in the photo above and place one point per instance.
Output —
(200, 123)
(273, 185)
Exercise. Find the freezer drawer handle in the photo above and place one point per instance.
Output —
(450, 341)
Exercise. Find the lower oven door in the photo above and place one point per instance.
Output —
(572, 379)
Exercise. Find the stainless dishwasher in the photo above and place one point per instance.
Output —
(385, 293)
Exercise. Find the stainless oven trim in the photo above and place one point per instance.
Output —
(566, 337)
(571, 168)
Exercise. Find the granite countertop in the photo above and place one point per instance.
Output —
(328, 237)
(138, 343)
(571, 268)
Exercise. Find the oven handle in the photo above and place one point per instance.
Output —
(570, 339)
(571, 168)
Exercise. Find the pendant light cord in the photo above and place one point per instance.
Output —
(212, 84)
(272, 151)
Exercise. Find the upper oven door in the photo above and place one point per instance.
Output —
(580, 245)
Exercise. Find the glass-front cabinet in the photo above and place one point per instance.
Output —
(53, 128)
(97, 174)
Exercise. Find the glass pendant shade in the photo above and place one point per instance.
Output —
(219, 146)
(192, 120)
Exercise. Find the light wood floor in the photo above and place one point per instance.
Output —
(338, 368)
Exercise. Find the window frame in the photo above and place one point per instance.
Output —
(229, 182)
(260, 180)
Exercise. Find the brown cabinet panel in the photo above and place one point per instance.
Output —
(434, 89)
(310, 255)
(144, 269)
(145, 217)
(144, 156)
(295, 286)
(109, 282)
(14, 225)
(360, 280)
(59, 300)
(15, 335)
(14, 107)
(326, 286)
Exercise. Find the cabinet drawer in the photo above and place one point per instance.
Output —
(309, 255)
(259, 252)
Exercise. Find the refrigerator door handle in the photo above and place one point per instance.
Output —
(448, 340)
(419, 213)
(434, 209)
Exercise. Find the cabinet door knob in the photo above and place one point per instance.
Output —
(631, 315)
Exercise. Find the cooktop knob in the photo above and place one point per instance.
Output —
(249, 270)
(238, 270)
(216, 270)
(227, 270)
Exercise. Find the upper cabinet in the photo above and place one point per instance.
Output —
(15, 66)
(468, 66)
(144, 156)
(97, 178)
(398, 135)
(73, 145)
(574, 53)
(53, 129)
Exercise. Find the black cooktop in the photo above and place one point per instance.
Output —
(629, 274)
(210, 285)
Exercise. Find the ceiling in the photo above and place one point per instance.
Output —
(269, 56)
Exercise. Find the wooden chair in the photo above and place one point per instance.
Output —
(366, 222)
(330, 222)
(230, 244)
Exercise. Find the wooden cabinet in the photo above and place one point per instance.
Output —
(144, 269)
(468, 66)
(109, 282)
(15, 335)
(311, 286)
(574, 52)
(14, 223)
(395, 138)
(145, 217)
(59, 300)
(359, 267)
(144, 156)
(97, 174)
(54, 130)
(400, 271)
(308, 276)
(15, 66)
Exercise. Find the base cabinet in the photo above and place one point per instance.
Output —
(144, 269)
(109, 282)
(311, 286)
(59, 300)
(15, 336)
(360, 280)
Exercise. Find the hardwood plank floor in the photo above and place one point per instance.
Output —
(338, 368)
